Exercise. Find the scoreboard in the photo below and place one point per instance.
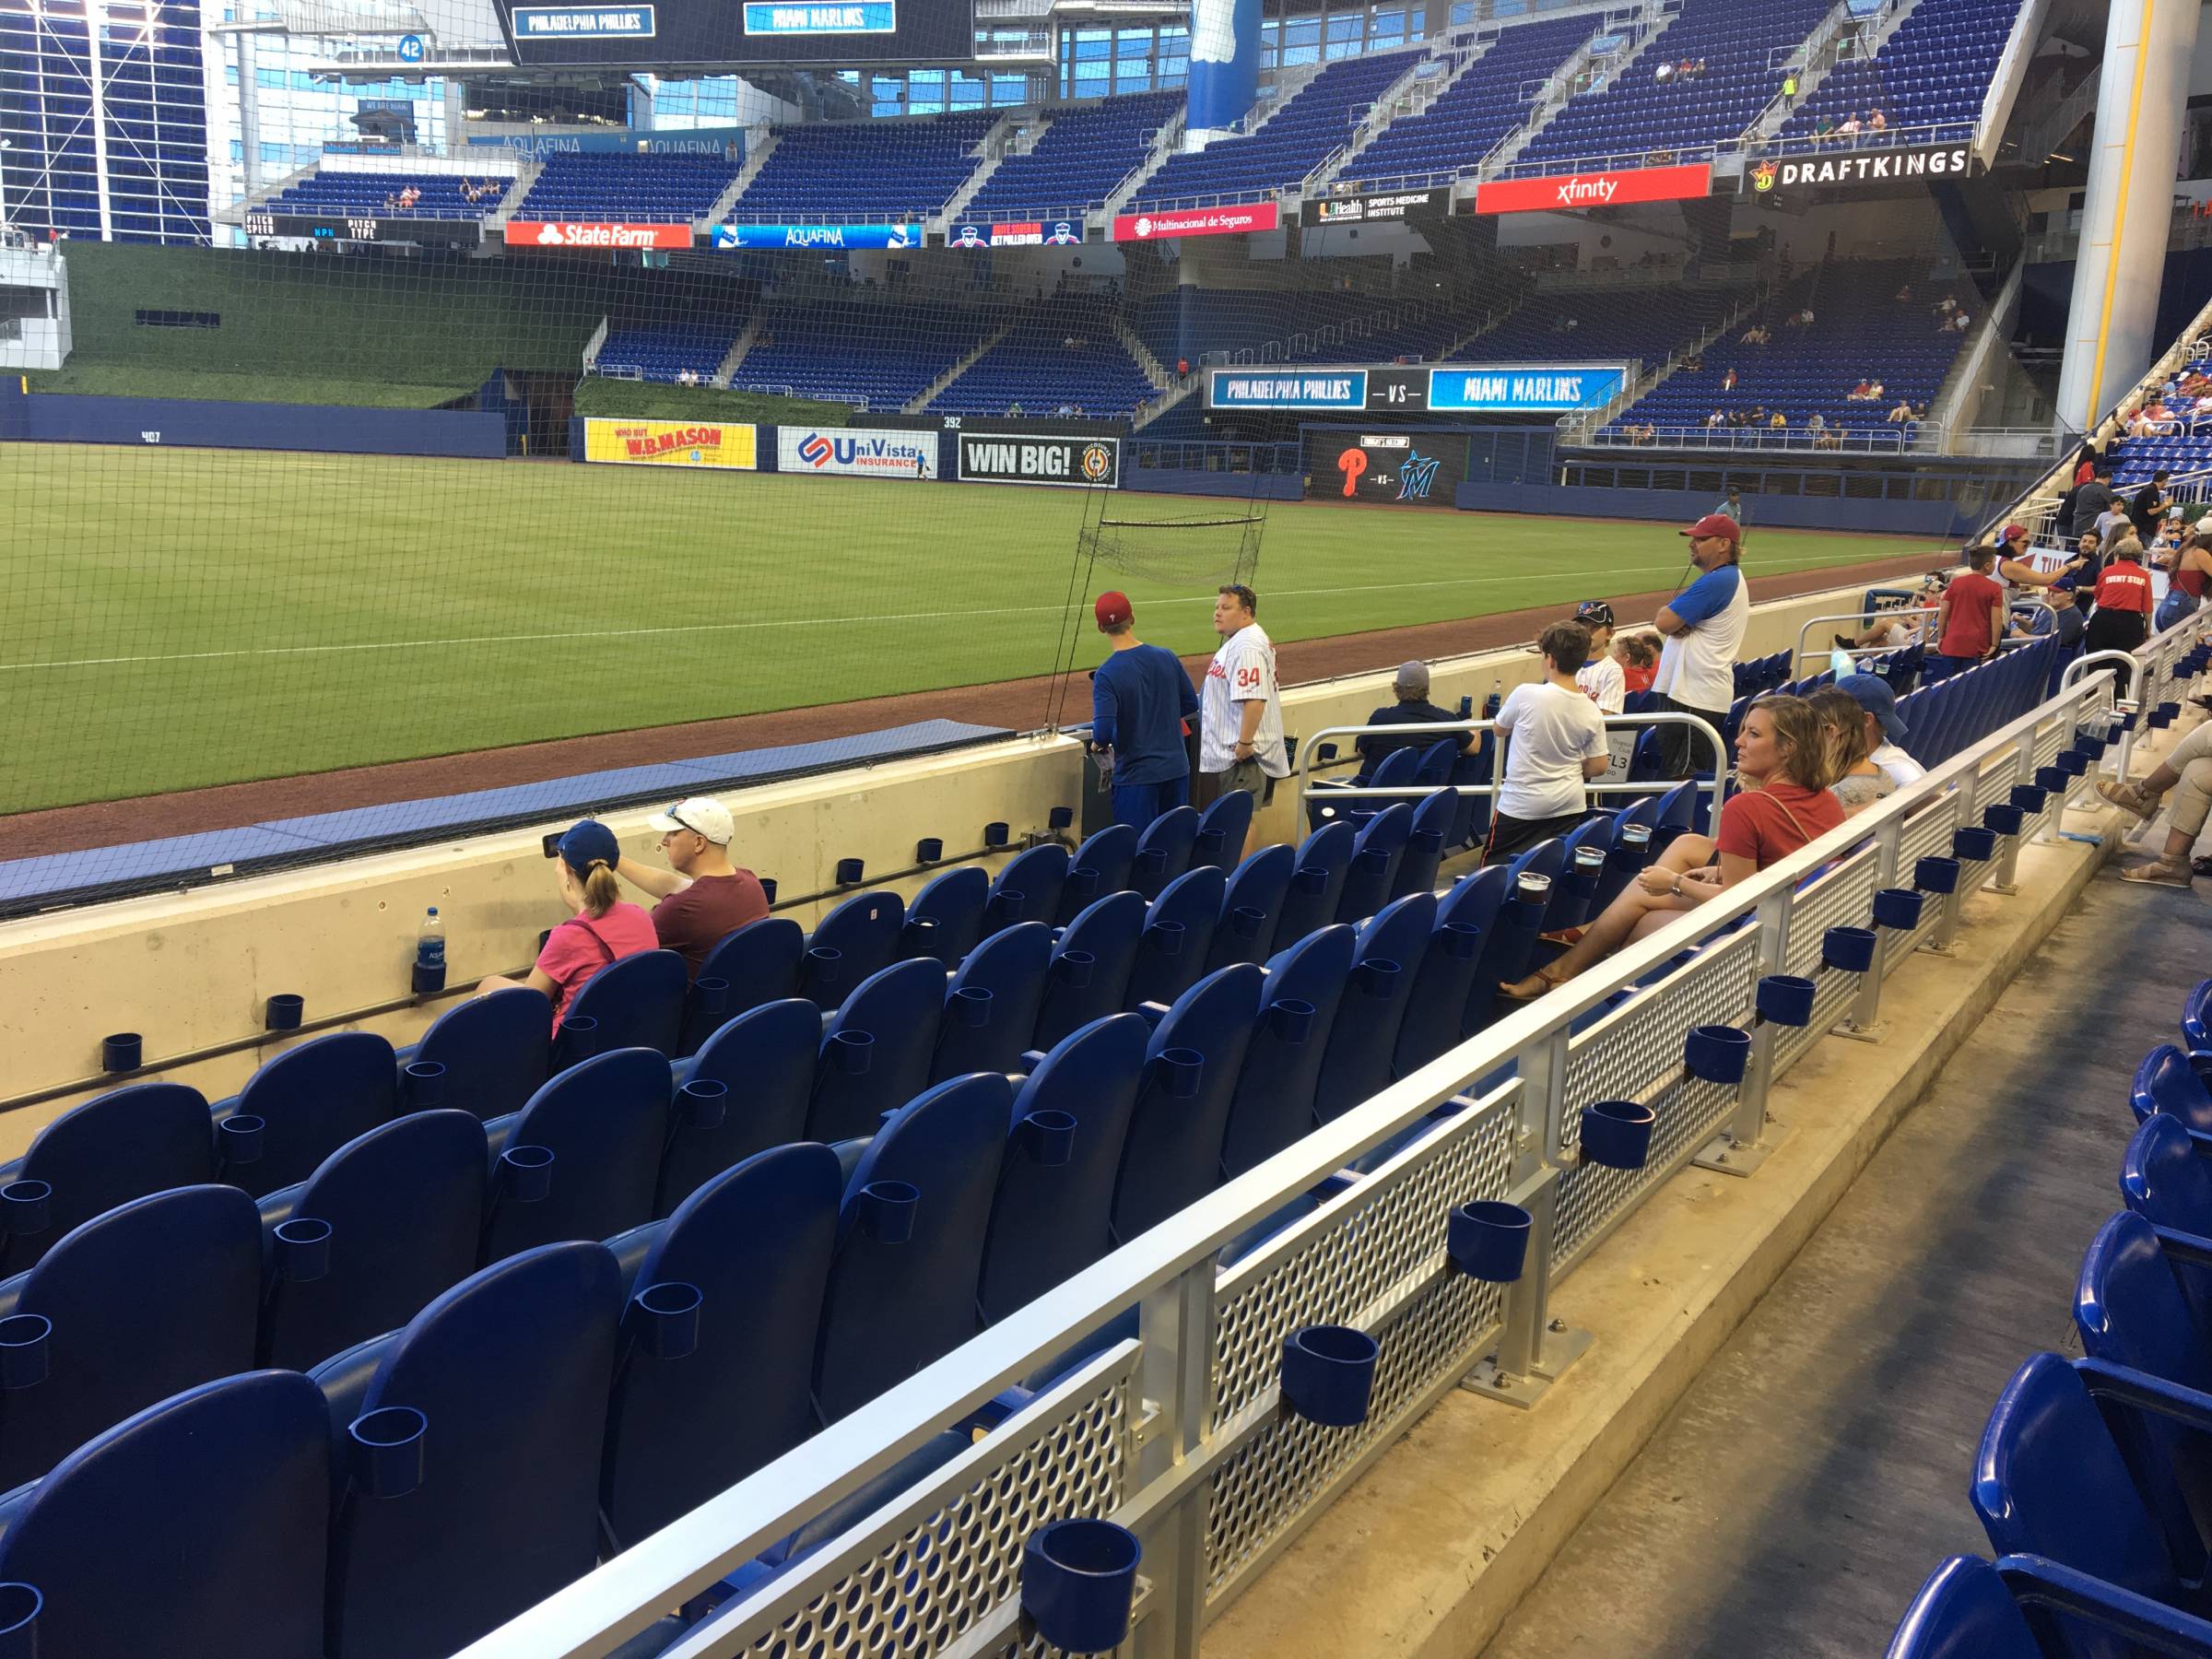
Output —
(1468, 389)
(720, 33)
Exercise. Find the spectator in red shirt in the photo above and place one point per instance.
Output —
(1969, 617)
(602, 930)
(1784, 770)
(703, 898)
(2122, 619)
(1639, 660)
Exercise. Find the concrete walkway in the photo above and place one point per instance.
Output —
(1816, 1470)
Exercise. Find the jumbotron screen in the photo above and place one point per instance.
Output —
(731, 33)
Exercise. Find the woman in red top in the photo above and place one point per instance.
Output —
(602, 929)
(1783, 765)
(2188, 571)
(2122, 619)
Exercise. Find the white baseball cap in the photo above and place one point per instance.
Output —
(703, 815)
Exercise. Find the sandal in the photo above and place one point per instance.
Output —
(2128, 798)
(1544, 979)
(2159, 872)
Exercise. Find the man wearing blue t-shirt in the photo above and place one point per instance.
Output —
(1140, 699)
(1704, 624)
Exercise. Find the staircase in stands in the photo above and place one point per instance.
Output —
(1012, 136)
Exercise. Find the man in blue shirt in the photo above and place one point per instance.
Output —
(1140, 699)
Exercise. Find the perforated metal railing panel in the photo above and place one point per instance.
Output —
(921, 1573)
(1842, 898)
(1640, 1043)
(1926, 834)
(1355, 1255)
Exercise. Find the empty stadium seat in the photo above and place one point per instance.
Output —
(877, 1050)
(496, 1050)
(1222, 830)
(1084, 151)
(123, 1145)
(1251, 906)
(606, 1123)
(759, 963)
(1029, 889)
(311, 1100)
(1388, 955)
(1101, 865)
(765, 1061)
(991, 1002)
(1325, 860)
(2026, 1608)
(1490, 97)
(637, 1002)
(1172, 1154)
(1178, 935)
(1091, 966)
(867, 932)
(2162, 1178)
(1300, 997)
(952, 904)
(1376, 850)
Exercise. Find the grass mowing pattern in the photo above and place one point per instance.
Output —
(187, 618)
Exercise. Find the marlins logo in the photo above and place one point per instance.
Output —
(1415, 477)
(1762, 176)
(1098, 463)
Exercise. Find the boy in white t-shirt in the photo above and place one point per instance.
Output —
(1555, 744)
(1605, 682)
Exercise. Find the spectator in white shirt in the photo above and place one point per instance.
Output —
(1555, 743)
(1887, 730)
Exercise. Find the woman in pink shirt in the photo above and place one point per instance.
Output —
(603, 929)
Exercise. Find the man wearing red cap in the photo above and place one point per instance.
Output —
(1704, 627)
(1140, 699)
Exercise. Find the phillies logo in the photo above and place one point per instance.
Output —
(1762, 176)
(1351, 463)
(816, 451)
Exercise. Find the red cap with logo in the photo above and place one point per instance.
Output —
(1715, 524)
(1113, 611)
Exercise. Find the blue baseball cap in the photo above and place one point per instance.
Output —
(1872, 693)
(589, 841)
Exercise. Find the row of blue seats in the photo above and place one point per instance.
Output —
(2092, 1476)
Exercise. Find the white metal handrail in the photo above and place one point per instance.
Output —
(1157, 1397)
(1813, 622)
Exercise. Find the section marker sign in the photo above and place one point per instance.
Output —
(1017, 458)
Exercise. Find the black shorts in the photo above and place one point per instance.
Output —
(1511, 837)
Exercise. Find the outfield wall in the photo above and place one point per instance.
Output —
(69, 417)
(192, 970)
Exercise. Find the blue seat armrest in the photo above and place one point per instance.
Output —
(277, 1207)
(631, 1249)
(2035, 1581)
(405, 1058)
(344, 1379)
(2139, 1390)
(223, 1109)
(680, 1072)
(11, 1293)
(12, 1170)
(498, 1133)
(1153, 1012)
(996, 1409)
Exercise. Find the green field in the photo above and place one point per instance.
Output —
(176, 618)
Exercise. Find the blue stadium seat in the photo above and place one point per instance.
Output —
(1029, 889)
(1251, 904)
(1388, 956)
(155, 1296)
(952, 904)
(2026, 1608)
(899, 1012)
(1178, 936)
(1326, 805)
(1571, 902)
(1273, 1100)
(2162, 1178)
(405, 1205)
(759, 963)
(1172, 1155)
(867, 932)
(123, 1145)
(1424, 849)
(639, 1003)
(496, 1051)
(510, 1371)
(1474, 901)
(1091, 966)
(1444, 979)
(754, 1243)
(765, 1061)
(1163, 851)
(1222, 830)
(198, 1528)
(2166, 1082)
(910, 1241)
(312, 1101)
(1102, 864)
(991, 1002)
(1051, 1216)
(1376, 851)
(606, 1123)
(2196, 1017)
(1317, 883)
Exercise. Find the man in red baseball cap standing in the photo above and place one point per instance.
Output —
(1704, 627)
(1140, 699)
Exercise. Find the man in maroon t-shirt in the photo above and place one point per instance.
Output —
(704, 897)
(1968, 619)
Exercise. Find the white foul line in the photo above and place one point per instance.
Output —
(942, 616)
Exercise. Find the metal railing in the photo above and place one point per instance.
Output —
(1181, 1432)
(1861, 142)
(1800, 654)
(1852, 440)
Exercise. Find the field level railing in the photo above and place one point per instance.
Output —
(1180, 1431)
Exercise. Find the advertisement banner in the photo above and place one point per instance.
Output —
(1195, 222)
(726, 237)
(850, 451)
(583, 23)
(669, 33)
(563, 233)
(1373, 209)
(323, 227)
(1866, 167)
(1524, 388)
(1555, 192)
(1286, 389)
(1017, 458)
(671, 443)
(1407, 469)
(1012, 233)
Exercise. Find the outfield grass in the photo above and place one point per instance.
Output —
(185, 617)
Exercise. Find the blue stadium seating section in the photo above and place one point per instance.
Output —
(1294, 139)
(1300, 326)
(663, 354)
(1086, 151)
(1859, 332)
(657, 189)
(375, 196)
(1636, 117)
(1481, 106)
(1034, 366)
(1610, 325)
(857, 354)
(1933, 72)
(895, 172)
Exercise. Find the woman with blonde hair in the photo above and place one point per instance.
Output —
(1858, 782)
(601, 927)
(1782, 803)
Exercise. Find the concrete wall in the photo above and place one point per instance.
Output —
(191, 972)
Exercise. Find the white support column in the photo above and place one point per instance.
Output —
(96, 17)
(2142, 87)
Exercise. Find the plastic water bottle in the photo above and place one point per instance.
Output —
(429, 953)
(1495, 700)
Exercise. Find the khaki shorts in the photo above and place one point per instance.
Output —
(1245, 776)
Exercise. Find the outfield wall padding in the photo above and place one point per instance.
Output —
(322, 429)
(1801, 511)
